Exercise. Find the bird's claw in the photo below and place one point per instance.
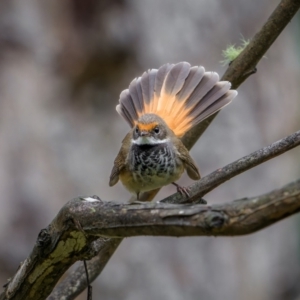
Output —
(182, 190)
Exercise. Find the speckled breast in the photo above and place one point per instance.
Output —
(154, 165)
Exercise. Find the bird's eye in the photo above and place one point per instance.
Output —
(156, 130)
(136, 130)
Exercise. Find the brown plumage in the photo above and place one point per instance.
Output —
(161, 106)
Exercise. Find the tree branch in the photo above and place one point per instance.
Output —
(239, 217)
(69, 237)
(244, 65)
(211, 181)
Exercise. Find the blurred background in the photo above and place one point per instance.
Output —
(63, 65)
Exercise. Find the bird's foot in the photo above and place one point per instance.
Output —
(182, 190)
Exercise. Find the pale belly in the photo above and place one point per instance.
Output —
(151, 168)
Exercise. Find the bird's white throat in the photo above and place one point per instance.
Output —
(148, 140)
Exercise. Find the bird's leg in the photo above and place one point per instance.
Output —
(182, 190)
(137, 200)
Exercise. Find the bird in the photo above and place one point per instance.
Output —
(160, 107)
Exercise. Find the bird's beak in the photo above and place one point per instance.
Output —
(144, 133)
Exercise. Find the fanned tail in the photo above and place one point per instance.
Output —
(181, 95)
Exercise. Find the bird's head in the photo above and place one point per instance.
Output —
(150, 129)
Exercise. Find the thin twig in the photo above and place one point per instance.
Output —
(76, 283)
(89, 287)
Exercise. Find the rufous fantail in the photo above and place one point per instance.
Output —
(160, 107)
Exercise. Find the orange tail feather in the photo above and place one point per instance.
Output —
(181, 95)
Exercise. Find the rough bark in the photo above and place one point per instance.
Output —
(83, 220)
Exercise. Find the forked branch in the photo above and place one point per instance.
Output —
(74, 233)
